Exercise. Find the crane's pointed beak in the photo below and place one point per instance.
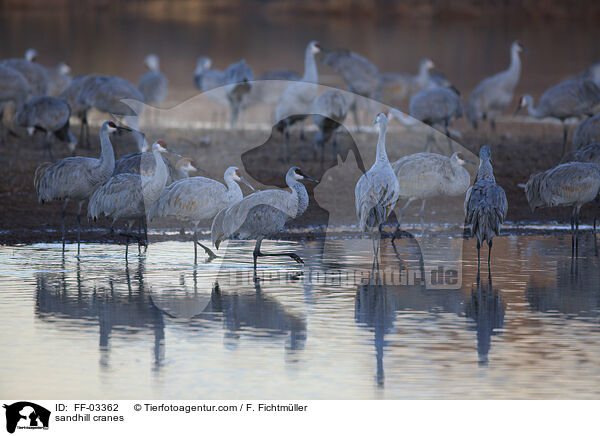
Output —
(124, 128)
(470, 161)
(312, 179)
(170, 150)
(246, 182)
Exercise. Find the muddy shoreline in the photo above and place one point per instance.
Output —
(519, 151)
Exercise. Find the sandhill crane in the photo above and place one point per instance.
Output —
(76, 178)
(359, 74)
(13, 88)
(129, 196)
(570, 184)
(144, 163)
(592, 73)
(50, 115)
(397, 86)
(153, 85)
(210, 81)
(589, 153)
(571, 98)
(296, 101)
(238, 85)
(495, 93)
(199, 198)
(35, 74)
(79, 108)
(262, 214)
(587, 132)
(59, 78)
(426, 175)
(329, 112)
(267, 89)
(377, 191)
(485, 204)
(436, 106)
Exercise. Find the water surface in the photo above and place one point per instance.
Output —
(156, 327)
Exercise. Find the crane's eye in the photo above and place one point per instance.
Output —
(113, 125)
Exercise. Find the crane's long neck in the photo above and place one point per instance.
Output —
(423, 73)
(158, 181)
(485, 172)
(310, 67)
(381, 153)
(299, 194)
(107, 156)
(515, 64)
(233, 189)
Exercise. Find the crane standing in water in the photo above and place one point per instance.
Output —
(199, 198)
(485, 204)
(570, 184)
(76, 178)
(153, 85)
(377, 190)
(262, 214)
(427, 175)
(129, 196)
(495, 93)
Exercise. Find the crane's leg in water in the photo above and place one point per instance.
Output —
(573, 233)
(397, 231)
(577, 233)
(478, 254)
(489, 253)
(79, 227)
(63, 217)
(257, 253)
(595, 244)
(208, 251)
(48, 144)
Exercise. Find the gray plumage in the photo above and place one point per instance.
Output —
(329, 112)
(592, 73)
(36, 75)
(128, 196)
(587, 132)
(492, 95)
(263, 214)
(436, 106)
(13, 89)
(238, 85)
(76, 178)
(269, 87)
(397, 86)
(153, 85)
(426, 175)
(589, 153)
(296, 101)
(196, 199)
(144, 163)
(485, 204)
(359, 74)
(59, 78)
(377, 191)
(49, 114)
(570, 184)
(571, 98)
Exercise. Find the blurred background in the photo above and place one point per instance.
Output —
(466, 39)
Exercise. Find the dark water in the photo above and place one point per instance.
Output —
(158, 328)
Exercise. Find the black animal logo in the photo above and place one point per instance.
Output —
(26, 414)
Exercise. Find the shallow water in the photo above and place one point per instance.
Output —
(156, 327)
